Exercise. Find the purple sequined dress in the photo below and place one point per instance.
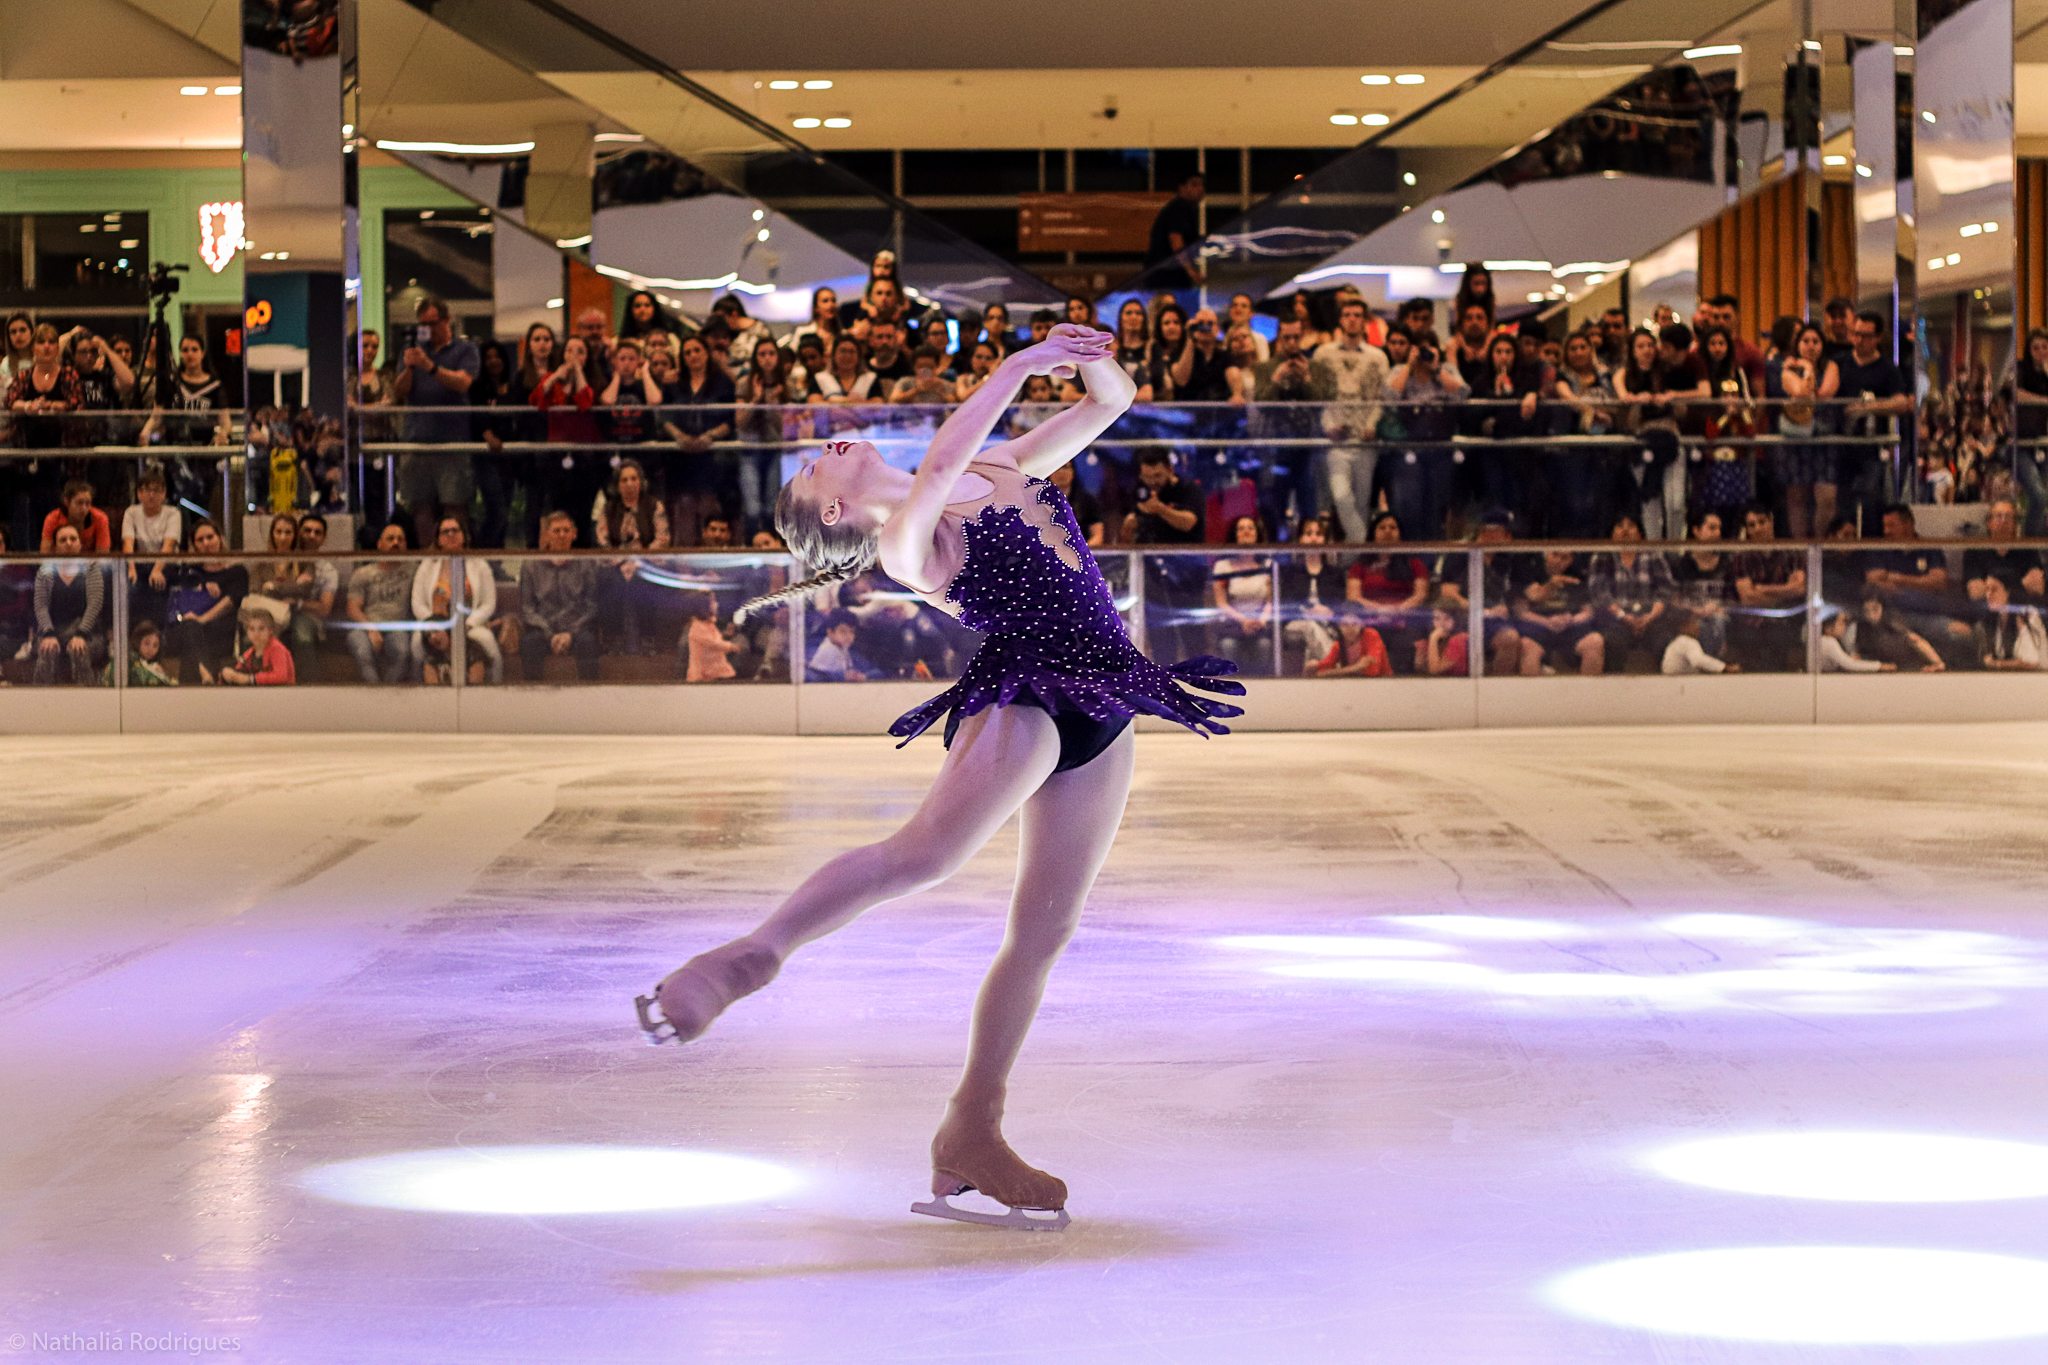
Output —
(1053, 632)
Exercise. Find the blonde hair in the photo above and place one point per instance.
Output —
(835, 553)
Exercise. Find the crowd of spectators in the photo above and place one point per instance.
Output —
(1333, 428)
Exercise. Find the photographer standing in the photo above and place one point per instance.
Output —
(1289, 378)
(1170, 512)
(436, 371)
(1419, 484)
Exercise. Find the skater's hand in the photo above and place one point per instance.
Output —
(1065, 349)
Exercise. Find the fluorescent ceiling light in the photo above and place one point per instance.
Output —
(1344, 120)
(1810, 45)
(1376, 80)
(1902, 52)
(1971, 229)
(1693, 54)
(458, 148)
(1517, 265)
(805, 122)
(838, 123)
(1955, 258)
(191, 89)
(782, 85)
(1410, 79)
(729, 280)
(618, 137)
(1864, 171)
(552, 303)
(817, 85)
(1375, 120)
(227, 90)
(570, 243)
(1834, 161)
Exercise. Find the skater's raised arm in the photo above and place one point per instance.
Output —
(909, 541)
(1058, 439)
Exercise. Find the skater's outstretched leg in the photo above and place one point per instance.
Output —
(998, 759)
(1069, 824)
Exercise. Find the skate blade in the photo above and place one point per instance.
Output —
(1047, 1220)
(643, 1005)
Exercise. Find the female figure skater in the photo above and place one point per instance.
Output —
(1040, 720)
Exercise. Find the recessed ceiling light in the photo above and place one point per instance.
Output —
(1375, 120)
(227, 90)
(806, 122)
(191, 89)
(552, 303)
(1344, 120)
(782, 85)
(88, 227)
(1410, 79)
(1407, 177)
(1376, 80)
(838, 123)
(1436, 215)
(817, 85)
(1902, 52)
(759, 214)
(1971, 229)
(762, 235)
(1955, 258)
(130, 243)
(1834, 161)
(1863, 170)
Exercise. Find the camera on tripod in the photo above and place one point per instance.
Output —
(163, 281)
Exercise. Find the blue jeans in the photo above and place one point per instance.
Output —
(400, 650)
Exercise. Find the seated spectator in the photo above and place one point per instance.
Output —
(1702, 581)
(1914, 579)
(380, 593)
(1631, 590)
(311, 594)
(558, 603)
(1504, 576)
(432, 600)
(1392, 588)
(1767, 633)
(70, 598)
(710, 649)
(145, 657)
(2020, 570)
(1446, 651)
(896, 635)
(834, 659)
(266, 662)
(1835, 653)
(2009, 638)
(94, 537)
(1685, 653)
(1359, 652)
(1312, 585)
(1087, 511)
(204, 600)
(150, 526)
(1242, 587)
(1879, 636)
(1555, 612)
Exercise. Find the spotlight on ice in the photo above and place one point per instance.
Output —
(1821, 1295)
(548, 1179)
(1885, 1168)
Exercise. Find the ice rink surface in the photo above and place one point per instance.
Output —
(1508, 1048)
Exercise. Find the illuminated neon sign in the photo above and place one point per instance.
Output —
(220, 233)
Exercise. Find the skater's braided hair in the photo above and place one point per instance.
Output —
(835, 553)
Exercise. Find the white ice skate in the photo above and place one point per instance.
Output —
(1026, 1220)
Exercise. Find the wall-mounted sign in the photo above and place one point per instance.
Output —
(1102, 221)
(220, 233)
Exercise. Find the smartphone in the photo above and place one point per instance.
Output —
(423, 337)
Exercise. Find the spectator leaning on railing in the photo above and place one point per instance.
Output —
(437, 372)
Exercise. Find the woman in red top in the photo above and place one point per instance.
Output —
(1392, 588)
(566, 478)
(94, 535)
(1359, 651)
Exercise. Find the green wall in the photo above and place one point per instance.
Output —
(172, 198)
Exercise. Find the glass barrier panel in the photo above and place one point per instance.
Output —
(1568, 611)
(871, 628)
